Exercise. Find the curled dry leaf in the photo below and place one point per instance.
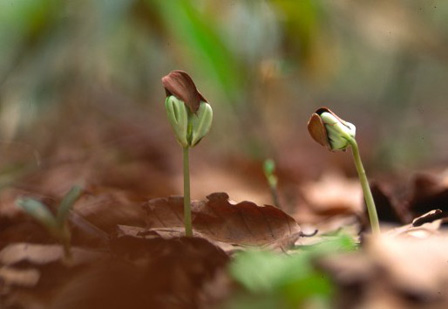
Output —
(421, 227)
(217, 219)
(181, 85)
(429, 217)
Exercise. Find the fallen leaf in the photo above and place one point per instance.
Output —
(243, 223)
(388, 209)
(169, 233)
(417, 266)
(43, 254)
(19, 277)
(393, 272)
(104, 207)
(334, 195)
(148, 273)
(421, 227)
(429, 192)
(428, 217)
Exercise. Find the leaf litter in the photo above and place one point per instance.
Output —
(411, 275)
(147, 264)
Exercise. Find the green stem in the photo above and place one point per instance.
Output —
(65, 240)
(187, 207)
(373, 216)
(67, 251)
(274, 195)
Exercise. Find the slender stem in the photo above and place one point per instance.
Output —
(187, 207)
(373, 216)
(67, 250)
(274, 195)
(65, 240)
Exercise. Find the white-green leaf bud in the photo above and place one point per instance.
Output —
(188, 111)
(339, 132)
(201, 123)
(329, 130)
(178, 117)
(39, 212)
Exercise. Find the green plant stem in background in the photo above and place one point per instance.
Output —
(274, 195)
(373, 216)
(66, 243)
(269, 172)
(187, 206)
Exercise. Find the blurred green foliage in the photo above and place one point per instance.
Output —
(273, 280)
(197, 31)
(265, 65)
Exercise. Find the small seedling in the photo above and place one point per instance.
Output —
(191, 118)
(329, 130)
(56, 225)
(269, 172)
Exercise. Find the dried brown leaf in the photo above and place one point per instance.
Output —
(388, 208)
(415, 265)
(19, 277)
(421, 227)
(148, 273)
(429, 217)
(43, 254)
(429, 192)
(169, 233)
(243, 223)
(334, 195)
(104, 207)
(393, 271)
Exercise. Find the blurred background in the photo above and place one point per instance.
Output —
(81, 97)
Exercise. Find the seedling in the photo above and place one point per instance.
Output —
(56, 225)
(269, 172)
(329, 130)
(191, 118)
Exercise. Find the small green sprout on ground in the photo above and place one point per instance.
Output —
(191, 118)
(56, 225)
(329, 130)
(269, 172)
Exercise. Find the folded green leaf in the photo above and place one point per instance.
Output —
(201, 122)
(38, 211)
(178, 117)
(67, 203)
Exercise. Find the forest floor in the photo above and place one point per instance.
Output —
(127, 243)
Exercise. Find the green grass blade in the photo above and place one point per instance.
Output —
(197, 31)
